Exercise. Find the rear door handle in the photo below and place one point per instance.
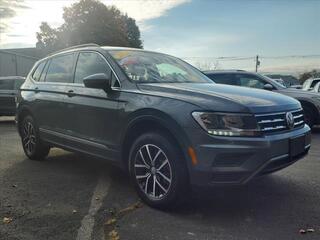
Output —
(36, 90)
(71, 93)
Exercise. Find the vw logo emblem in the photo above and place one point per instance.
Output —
(290, 120)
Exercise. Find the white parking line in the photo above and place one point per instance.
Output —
(87, 223)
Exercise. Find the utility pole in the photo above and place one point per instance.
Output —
(257, 63)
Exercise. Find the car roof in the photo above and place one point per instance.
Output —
(226, 71)
(95, 47)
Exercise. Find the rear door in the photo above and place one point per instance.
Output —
(92, 113)
(50, 90)
(7, 97)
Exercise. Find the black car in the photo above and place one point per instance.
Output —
(159, 118)
(310, 101)
(9, 87)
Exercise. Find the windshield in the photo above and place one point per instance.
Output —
(147, 67)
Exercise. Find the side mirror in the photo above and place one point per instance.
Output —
(98, 81)
(268, 86)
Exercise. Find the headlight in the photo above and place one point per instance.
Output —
(225, 124)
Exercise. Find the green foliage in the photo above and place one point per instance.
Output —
(312, 74)
(90, 21)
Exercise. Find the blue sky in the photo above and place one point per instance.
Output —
(232, 28)
(238, 28)
(202, 30)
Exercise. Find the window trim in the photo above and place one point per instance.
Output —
(73, 67)
(36, 67)
(103, 57)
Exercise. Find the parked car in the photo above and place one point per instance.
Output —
(316, 88)
(310, 101)
(8, 91)
(309, 84)
(159, 118)
(287, 79)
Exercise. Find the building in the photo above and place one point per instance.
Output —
(18, 62)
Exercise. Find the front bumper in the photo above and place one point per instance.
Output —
(237, 160)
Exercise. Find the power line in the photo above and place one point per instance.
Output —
(253, 57)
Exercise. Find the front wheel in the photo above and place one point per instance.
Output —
(158, 170)
(31, 142)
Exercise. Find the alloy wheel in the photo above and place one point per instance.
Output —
(29, 137)
(153, 171)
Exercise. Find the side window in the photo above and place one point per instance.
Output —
(60, 69)
(6, 84)
(44, 72)
(251, 81)
(314, 82)
(223, 79)
(90, 63)
(37, 72)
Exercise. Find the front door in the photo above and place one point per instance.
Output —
(93, 112)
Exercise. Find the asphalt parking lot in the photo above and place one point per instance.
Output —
(71, 196)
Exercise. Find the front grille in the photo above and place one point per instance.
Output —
(276, 122)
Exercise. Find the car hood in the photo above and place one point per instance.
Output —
(225, 98)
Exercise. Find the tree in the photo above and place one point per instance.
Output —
(90, 21)
(312, 74)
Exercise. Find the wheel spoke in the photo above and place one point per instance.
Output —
(149, 155)
(25, 129)
(24, 139)
(163, 164)
(32, 141)
(164, 176)
(142, 176)
(141, 166)
(146, 186)
(157, 155)
(144, 161)
(29, 127)
(154, 186)
(159, 184)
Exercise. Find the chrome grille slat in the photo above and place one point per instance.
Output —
(271, 121)
(298, 123)
(276, 122)
(298, 116)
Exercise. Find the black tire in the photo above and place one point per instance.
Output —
(177, 189)
(31, 142)
(309, 115)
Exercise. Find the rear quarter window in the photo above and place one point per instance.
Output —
(37, 72)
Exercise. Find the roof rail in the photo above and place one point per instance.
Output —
(74, 47)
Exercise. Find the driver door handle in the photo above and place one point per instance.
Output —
(71, 93)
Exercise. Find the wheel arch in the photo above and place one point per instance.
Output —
(312, 107)
(148, 121)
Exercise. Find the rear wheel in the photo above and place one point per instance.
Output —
(31, 142)
(309, 116)
(158, 170)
